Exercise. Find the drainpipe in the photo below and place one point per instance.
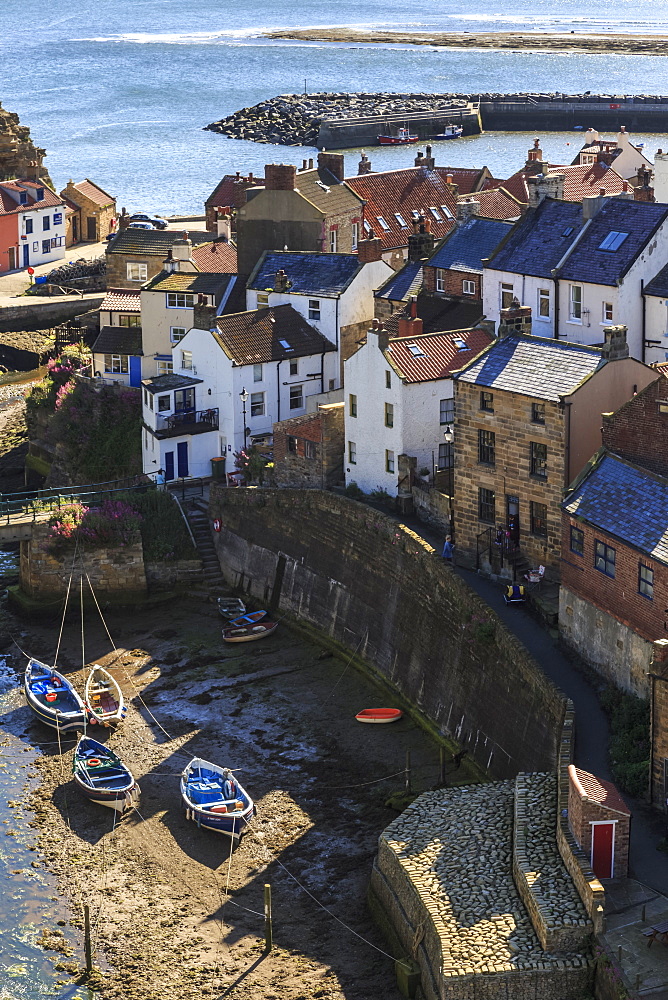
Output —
(567, 435)
(278, 390)
(556, 308)
(337, 323)
(322, 372)
(644, 317)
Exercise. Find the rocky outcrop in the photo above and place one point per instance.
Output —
(19, 157)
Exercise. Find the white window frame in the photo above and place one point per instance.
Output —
(187, 361)
(257, 404)
(314, 309)
(333, 240)
(352, 453)
(543, 297)
(352, 405)
(180, 300)
(607, 319)
(134, 271)
(355, 228)
(160, 403)
(177, 333)
(506, 291)
(575, 304)
(164, 367)
(440, 279)
(389, 461)
(468, 287)
(262, 300)
(116, 364)
(294, 366)
(296, 396)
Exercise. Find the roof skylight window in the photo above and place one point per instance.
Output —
(460, 344)
(367, 226)
(446, 212)
(400, 219)
(383, 223)
(416, 351)
(568, 230)
(613, 241)
(434, 211)
(285, 345)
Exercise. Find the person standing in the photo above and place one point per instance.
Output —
(448, 549)
(160, 480)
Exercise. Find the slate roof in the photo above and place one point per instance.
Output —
(152, 242)
(599, 790)
(402, 284)
(326, 192)
(414, 189)
(625, 501)
(442, 353)
(468, 244)
(119, 340)
(325, 274)
(122, 300)
(254, 336)
(533, 366)
(590, 264)
(658, 285)
(497, 203)
(163, 383)
(537, 243)
(8, 206)
(94, 193)
(218, 257)
(189, 281)
(438, 314)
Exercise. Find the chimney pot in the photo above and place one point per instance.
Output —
(625, 186)
(616, 345)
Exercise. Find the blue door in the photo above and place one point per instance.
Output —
(169, 465)
(135, 370)
(26, 254)
(182, 459)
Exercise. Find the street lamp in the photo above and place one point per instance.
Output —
(243, 396)
(449, 434)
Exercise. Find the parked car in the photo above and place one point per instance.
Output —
(141, 225)
(154, 223)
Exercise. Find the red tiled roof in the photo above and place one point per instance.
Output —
(603, 792)
(441, 354)
(585, 179)
(516, 185)
(216, 258)
(227, 190)
(467, 180)
(404, 191)
(94, 193)
(497, 204)
(122, 300)
(8, 205)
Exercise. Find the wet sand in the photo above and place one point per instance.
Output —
(629, 44)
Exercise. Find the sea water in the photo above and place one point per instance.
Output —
(120, 91)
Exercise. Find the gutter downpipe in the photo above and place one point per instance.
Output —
(322, 372)
(278, 391)
(644, 318)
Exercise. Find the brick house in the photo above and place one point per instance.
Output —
(135, 256)
(94, 210)
(455, 268)
(308, 450)
(527, 419)
(600, 821)
(229, 194)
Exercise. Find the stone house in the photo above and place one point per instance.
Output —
(658, 679)
(310, 209)
(228, 196)
(308, 450)
(94, 212)
(527, 419)
(32, 225)
(135, 256)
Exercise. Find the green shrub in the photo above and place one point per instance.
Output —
(381, 496)
(352, 490)
(163, 531)
(629, 742)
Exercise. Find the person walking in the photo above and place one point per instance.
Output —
(448, 549)
(160, 480)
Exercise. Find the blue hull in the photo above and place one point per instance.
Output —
(232, 825)
(67, 713)
(102, 776)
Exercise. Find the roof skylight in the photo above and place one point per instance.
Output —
(446, 212)
(285, 345)
(416, 351)
(434, 211)
(460, 344)
(613, 241)
(383, 223)
(400, 219)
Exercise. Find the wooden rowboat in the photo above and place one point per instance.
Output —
(249, 619)
(379, 715)
(104, 698)
(103, 777)
(231, 607)
(247, 633)
(214, 799)
(53, 699)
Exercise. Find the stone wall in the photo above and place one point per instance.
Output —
(433, 507)
(659, 724)
(381, 593)
(583, 811)
(308, 450)
(179, 574)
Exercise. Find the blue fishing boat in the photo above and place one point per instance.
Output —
(215, 800)
(53, 699)
(103, 777)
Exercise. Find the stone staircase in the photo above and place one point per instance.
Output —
(200, 524)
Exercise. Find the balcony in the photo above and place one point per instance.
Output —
(187, 422)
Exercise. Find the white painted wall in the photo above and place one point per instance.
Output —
(656, 329)
(35, 240)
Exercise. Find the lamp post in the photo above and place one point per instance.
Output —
(448, 438)
(243, 396)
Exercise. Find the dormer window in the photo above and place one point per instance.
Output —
(613, 241)
(23, 197)
(39, 194)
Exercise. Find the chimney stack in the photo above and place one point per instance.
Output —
(545, 186)
(615, 347)
(364, 165)
(224, 223)
(182, 259)
(378, 330)
(410, 325)
(516, 319)
(421, 240)
(281, 281)
(467, 209)
(427, 161)
(535, 164)
(280, 177)
(370, 249)
(334, 162)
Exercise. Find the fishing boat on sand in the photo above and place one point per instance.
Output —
(249, 619)
(248, 633)
(104, 698)
(53, 699)
(231, 607)
(103, 777)
(214, 799)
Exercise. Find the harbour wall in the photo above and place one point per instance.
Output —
(383, 595)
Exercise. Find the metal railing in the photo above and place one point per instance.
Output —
(188, 422)
(187, 488)
(28, 506)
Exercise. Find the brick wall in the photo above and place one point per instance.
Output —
(343, 224)
(638, 431)
(582, 812)
(453, 283)
(325, 431)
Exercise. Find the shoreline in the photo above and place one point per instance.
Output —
(627, 44)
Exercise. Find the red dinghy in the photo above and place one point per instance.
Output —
(379, 715)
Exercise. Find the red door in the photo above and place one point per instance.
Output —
(602, 841)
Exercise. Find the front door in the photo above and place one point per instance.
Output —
(182, 459)
(169, 465)
(26, 255)
(12, 258)
(513, 519)
(135, 370)
(602, 849)
(91, 222)
(75, 229)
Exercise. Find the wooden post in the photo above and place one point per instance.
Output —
(268, 927)
(441, 777)
(644, 911)
(408, 771)
(619, 954)
(87, 942)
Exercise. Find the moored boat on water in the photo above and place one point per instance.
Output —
(104, 698)
(214, 799)
(248, 633)
(404, 137)
(103, 777)
(450, 132)
(53, 699)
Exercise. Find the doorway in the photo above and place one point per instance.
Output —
(513, 519)
(603, 848)
(75, 229)
(169, 465)
(12, 259)
(182, 459)
(26, 255)
(91, 223)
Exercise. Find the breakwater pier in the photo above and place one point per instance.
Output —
(344, 121)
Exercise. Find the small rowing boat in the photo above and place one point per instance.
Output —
(214, 799)
(104, 698)
(231, 607)
(247, 633)
(379, 715)
(53, 699)
(249, 619)
(103, 777)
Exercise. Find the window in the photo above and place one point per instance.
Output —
(435, 212)
(539, 519)
(577, 541)
(285, 345)
(440, 279)
(352, 405)
(23, 198)
(257, 404)
(604, 559)
(646, 581)
(416, 350)
(487, 401)
(613, 241)
(294, 367)
(177, 334)
(257, 373)
(446, 212)
(389, 415)
(400, 219)
(129, 320)
(180, 300)
(187, 360)
(46, 223)
(135, 272)
(389, 461)
(446, 455)
(262, 299)
(332, 384)
(314, 308)
(468, 287)
(309, 449)
(56, 241)
(486, 506)
(352, 453)
(575, 303)
(544, 303)
(538, 413)
(539, 459)
(388, 380)
(184, 400)
(46, 246)
(383, 223)
(356, 234)
(116, 364)
(165, 367)
(28, 226)
(506, 296)
(296, 397)
(292, 444)
(486, 447)
(447, 411)
(607, 312)
(164, 403)
(333, 240)
(35, 246)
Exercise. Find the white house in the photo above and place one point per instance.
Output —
(333, 291)
(117, 351)
(628, 160)
(399, 402)
(580, 268)
(229, 385)
(656, 319)
(32, 225)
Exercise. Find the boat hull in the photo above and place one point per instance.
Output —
(391, 140)
(379, 716)
(112, 798)
(66, 712)
(249, 633)
(102, 777)
(104, 699)
(208, 778)
(232, 825)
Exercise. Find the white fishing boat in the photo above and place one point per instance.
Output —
(103, 698)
